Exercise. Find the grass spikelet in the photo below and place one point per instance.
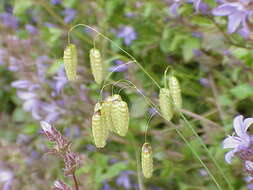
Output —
(70, 62)
(175, 91)
(147, 160)
(99, 130)
(120, 117)
(96, 65)
(165, 102)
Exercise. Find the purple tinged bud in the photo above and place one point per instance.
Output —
(59, 185)
(47, 128)
(249, 165)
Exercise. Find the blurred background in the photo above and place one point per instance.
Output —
(214, 69)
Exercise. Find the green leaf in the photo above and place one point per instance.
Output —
(114, 170)
(189, 46)
(242, 91)
(30, 129)
(20, 7)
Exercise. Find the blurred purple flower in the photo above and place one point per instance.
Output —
(31, 104)
(199, 6)
(8, 20)
(41, 66)
(128, 33)
(240, 142)
(14, 64)
(250, 186)
(60, 80)
(238, 14)
(6, 177)
(21, 84)
(51, 111)
(55, 2)
(31, 29)
(119, 67)
(69, 15)
(49, 25)
(106, 186)
(124, 180)
(204, 82)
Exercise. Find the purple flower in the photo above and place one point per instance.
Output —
(124, 180)
(31, 103)
(51, 110)
(238, 14)
(240, 142)
(6, 178)
(198, 6)
(31, 29)
(55, 2)
(60, 80)
(119, 67)
(250, 186)
(21, 84)
(69, 15)
(9, 21)
(128, 33)
(106, 186)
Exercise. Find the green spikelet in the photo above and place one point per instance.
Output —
(106, 114)
(175, 90)
(120, 117)
(165, 102)
(96, 65)
(147, 160)
(99, 131)
(70, 61)
(106, 111)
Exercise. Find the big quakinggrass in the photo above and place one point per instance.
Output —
(179, 133)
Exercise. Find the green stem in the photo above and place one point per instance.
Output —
(206, 149)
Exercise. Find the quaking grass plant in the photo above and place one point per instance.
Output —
(112, 115)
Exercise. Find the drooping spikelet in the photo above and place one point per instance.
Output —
(147, 160)
(96, 65)
(99, 131)
(120, 117)
(175, 91)
(70, 61)
(165, 102)
(106, 111)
